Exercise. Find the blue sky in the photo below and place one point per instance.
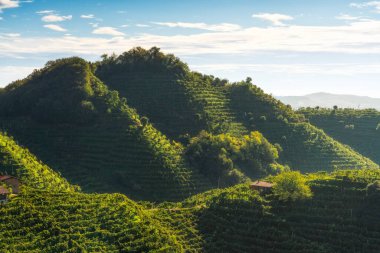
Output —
(288, 47)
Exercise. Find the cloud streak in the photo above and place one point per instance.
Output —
(55, 28)
(6, 4)
(107, 31)
(374, 4)
(89, 16)
(223, 27)
(357, 37)
(275, 18)
(55, 18)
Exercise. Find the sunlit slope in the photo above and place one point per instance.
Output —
(162, 88)
(19, 162)
(77, 222)
(342, 216)
(75, 124)
(359, 129)
(305, 147)
(181, 102)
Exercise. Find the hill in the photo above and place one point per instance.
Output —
(75, 222)
(356, 128)
(19, 162)
(79, 127)
(181, 103)
(305, 147)
(130, 121)
(327, 100)
(342, 216)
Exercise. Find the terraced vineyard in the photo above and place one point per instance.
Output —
(77, 222)
(142, 124)
(356, 128)
(342, 216)
(176, 102)
(110, 158)
(112, 151)
(305, 147)
(214, 105)
(18, 161)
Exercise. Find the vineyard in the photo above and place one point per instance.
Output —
(77, 222)
(356, 128)
(305, 147)
(137, 153)
(342, 216)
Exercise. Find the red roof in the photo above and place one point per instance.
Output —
(3, 190)
(5, 177)
(262, 184)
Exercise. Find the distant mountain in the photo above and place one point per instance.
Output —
(328, 100)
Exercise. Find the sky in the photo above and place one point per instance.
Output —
(288, 47)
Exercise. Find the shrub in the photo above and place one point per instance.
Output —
(291, 186)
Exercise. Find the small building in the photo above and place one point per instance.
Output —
(11, 182)
(261, 186)
(4, 194)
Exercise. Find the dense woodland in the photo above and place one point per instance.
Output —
(137, 153)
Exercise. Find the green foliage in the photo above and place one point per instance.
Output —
(19, 162)
(339, 218)
(356, 128)
(65, 91)
(291, 186)
(223, 158)
(305, 147)
(75, 222)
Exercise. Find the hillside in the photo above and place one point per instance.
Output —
(356, 128)
(161, 87)
(76, 125)
(77, 222)
(19, 162)
(305, 147)
(327, 100)
(342, 216)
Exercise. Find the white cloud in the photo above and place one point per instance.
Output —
(56, 18)
(223, 27)
(89, 16)
(347, 17)
(5, 4)
(13, 35)
(55, 28)
(286, 68)
(45, 12)
(94, 24)
(124, 26)
(275, 18)
(142, 25)
(374, 4)
(107, 31)
(357, 37)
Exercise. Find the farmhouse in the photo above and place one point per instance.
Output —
(261, 186)
(4, 193)
(11, 182)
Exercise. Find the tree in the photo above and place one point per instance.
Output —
(291, 186)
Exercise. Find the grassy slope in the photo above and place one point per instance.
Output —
(306, 147)
(77, 222)
(111, 151)
(356, 128)
(162, 89)
(340, 217)
(18, 161)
